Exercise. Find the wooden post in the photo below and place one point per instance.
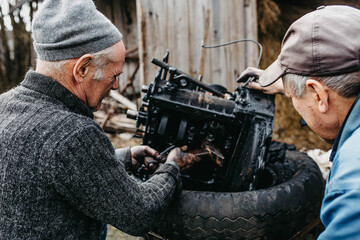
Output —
(203, 50)
(252, 51)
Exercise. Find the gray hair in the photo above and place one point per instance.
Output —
(100, 60)
(346, 85)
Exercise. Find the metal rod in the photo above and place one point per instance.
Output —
(187, 77)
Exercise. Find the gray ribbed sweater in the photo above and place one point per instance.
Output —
(58, 175)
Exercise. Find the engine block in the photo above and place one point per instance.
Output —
(230, 131)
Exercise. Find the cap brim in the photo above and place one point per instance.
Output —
(271, 74)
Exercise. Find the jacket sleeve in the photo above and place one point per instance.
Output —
(340, 210)
(341, 215)
(92, 180)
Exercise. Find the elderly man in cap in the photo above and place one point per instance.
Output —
(319, 69)
(60, 177)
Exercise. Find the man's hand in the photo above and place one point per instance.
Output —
(138, 154)
(182, 159)
(276, 87)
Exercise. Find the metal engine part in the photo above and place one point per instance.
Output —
(233, 128)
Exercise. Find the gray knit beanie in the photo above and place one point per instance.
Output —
(65, 29)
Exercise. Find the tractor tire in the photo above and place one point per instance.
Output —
(276, 212)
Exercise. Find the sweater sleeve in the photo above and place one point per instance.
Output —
(92, 180)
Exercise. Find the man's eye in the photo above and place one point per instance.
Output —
(116, 77)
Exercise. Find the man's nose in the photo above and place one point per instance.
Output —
(115, 85)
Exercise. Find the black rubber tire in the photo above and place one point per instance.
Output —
(277, 212)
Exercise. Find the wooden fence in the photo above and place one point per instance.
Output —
(181, 26)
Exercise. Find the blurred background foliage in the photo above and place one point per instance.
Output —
(16, 52)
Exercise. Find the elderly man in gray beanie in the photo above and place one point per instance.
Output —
(60, 177)
(319, 69)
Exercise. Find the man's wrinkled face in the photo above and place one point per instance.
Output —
(320, 123)
(97, 90)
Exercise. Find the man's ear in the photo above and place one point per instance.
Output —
(320, 94)
(82, 67)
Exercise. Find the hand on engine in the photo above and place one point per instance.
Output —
(181, 158)
(138, 155)
(274, 88)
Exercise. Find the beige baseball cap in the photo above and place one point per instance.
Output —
(321, 43)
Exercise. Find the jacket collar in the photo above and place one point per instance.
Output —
(48, 86)
(350, 124)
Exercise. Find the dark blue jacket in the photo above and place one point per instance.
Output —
(340, 211)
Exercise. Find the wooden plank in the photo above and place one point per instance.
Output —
(126, 20)
(105, 6)
(252, 51)
(180, 25)
(196, 13)
(141, 26)
(206, 33)
(238, 22)
(115, 123)
(123, 100)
